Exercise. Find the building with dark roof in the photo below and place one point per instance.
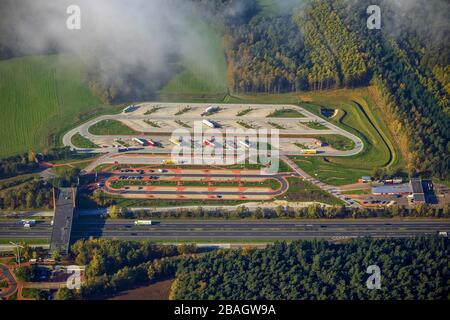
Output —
(414, 189)
(418, 195)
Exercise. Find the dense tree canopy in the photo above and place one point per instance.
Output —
(411, 268)
(415, 268)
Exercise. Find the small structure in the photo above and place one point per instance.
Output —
(365, 179)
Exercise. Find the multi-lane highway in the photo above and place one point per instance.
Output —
(241, 230)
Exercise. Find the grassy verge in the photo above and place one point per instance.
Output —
(276, 125)
(111, 127)
(337, 142)
(303, 191)
(244, 112)
(81, 142)
(183, 111)
(42, 241)
(246, 125)
(152, 124)
(183, 124)
(285, 113)
(152, 110)
(316, 125)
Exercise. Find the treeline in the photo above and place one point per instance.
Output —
(411, 269)
(334, 55)
(30, 195)
(310, 50)
(327, 45)
(265, 55)
(400, 61)
(113, 266)
(29, 162)
(311, 212)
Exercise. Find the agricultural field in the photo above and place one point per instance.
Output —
(39, 95)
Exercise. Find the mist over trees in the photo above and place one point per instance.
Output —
(309, 45)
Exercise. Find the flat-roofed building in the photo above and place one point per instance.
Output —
(418, 195)
(403, 188)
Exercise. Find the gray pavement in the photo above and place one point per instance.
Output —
(211, 230)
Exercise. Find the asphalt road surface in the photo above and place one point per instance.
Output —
(235, 230)
(13, 285)
(332, 129)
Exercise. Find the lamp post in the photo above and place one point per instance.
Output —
(17, 246)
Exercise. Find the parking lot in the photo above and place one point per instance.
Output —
(157, 122)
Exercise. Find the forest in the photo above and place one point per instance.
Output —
(327, 45)
(317, 46)
(411, 268)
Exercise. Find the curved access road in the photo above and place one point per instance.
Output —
(281, 178)
(135, 120)
(4, 270)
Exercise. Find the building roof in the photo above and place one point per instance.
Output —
(392, 189)
(417, 189)
(62, 221)
(418, 197)
(416, 186)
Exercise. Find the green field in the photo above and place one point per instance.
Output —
(39, 96)
(81, 142)
(206, 73)
(111, 127)
(303, 191)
